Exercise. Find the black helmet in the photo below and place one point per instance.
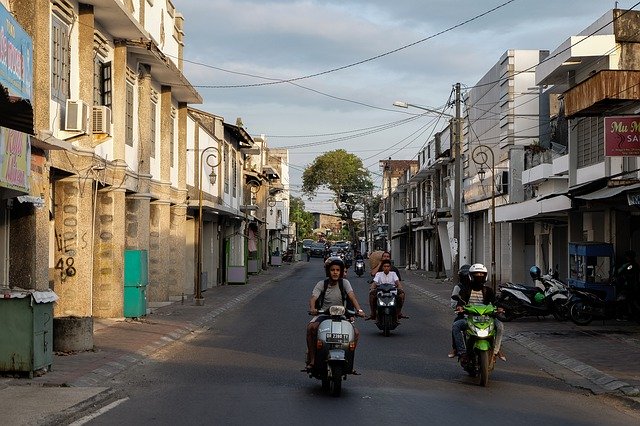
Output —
(535, 273)
(463, 274)
(334, 261)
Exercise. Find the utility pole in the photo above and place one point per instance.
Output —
(389, 204)
(457, 194)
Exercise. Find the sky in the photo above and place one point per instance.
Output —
(347, 61)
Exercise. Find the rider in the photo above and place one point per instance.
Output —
(332, 296)
(387, 276)
(463, 283)
(476, 293)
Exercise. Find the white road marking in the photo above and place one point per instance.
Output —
(88, 418)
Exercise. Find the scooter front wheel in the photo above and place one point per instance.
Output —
(484, 362)
(335, 383)
(581, 314)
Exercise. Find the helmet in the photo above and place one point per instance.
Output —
(477, 276)
(535, 272)
(334, 261)
(463, 274)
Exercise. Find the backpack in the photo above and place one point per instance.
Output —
(345, 299)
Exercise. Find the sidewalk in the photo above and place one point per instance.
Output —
(605, 354)
(81, 379)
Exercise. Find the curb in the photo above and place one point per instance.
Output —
(603, 383)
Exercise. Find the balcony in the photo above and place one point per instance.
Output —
(603, 92)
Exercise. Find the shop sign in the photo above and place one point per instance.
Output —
(15, 159)
(16, 53)
(622, 136)
(633, 199)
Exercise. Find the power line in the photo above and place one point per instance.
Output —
(274, 81)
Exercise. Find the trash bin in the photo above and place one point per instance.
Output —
(26, 335)
(136, 278)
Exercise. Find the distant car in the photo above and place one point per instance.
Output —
(307, 243)
(317, 250)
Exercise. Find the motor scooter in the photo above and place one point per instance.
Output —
(335, 349)
(359, 267)
(548, 297)
(479, 339)
(386, 309)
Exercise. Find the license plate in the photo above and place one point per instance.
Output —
(337, 338)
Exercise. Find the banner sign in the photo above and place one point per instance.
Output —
(622, 136)
(15, 159)
(16, 57)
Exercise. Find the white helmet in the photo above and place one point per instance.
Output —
(478, 275)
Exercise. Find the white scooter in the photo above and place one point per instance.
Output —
(335, 350)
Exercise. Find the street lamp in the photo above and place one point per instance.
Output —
(210, 158)
(481, 155)
(457, 143)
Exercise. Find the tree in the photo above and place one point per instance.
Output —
(303, 219)
(343, 174)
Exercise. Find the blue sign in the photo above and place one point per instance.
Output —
(16, 57)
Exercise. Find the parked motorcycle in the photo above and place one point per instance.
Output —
(587, 305)
(479, 340)
(359, 267)
(548, 297)
(335, 350)
(386, 310)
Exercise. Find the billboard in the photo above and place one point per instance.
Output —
(622, 136)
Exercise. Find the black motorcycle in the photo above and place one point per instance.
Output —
(386, 309)
(588, 304)
(359, 268)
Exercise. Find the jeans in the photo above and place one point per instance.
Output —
(459, 326)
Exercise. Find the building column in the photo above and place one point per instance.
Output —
(109, 254)
(160, 251)
(72, 274)
(177, 276)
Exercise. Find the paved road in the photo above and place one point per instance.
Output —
(129, 346)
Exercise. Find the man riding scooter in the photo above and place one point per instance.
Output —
(477, 293)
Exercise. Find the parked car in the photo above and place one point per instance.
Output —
(317, 250)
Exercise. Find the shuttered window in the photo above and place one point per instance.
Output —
(590, 134)
(60, 70)
(129, 115)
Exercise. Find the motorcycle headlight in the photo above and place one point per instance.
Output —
(483, 333)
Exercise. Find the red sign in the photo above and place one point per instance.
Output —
(622, 136)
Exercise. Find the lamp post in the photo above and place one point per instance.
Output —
(481, 155)
(210, 158)
(457, 142)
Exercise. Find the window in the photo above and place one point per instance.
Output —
(60, 58)
(171, 135)
(101, 82)
(234, 174)
(154, 107)
(225, 162)
(129, 115)
(590, 137)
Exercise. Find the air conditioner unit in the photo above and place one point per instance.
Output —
(76, 116)
(102, 119)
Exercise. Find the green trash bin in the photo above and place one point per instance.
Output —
(136, 278)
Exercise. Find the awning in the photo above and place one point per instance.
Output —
(532, 208)
(15, 113)
(608, 192)
(45, 140)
